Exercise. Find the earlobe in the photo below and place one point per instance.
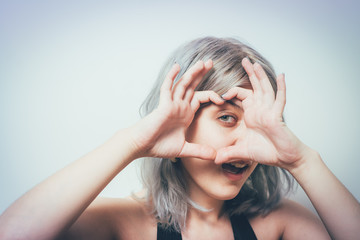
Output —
(174, 160)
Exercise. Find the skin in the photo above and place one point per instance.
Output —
(63, 208)
(206, 177)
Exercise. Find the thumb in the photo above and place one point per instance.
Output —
(198, 151)
(236, 152)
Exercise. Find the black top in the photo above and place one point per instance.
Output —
(240, 225)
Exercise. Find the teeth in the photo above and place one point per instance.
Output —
(238, 165)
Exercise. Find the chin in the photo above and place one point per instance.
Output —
(226, 192)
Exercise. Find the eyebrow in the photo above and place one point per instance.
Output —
(227, 101)
(232, 103)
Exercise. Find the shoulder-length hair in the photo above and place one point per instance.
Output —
(164, 180)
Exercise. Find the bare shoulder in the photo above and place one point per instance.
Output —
(289, 220)
(115, 218)
(130, 218)
(133, 219)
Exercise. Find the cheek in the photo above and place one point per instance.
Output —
(197, 167)
(199, 172)
(251, 170)
(205, 131)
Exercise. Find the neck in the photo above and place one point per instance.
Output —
(209, 224)
(209, 214)
(210, 209)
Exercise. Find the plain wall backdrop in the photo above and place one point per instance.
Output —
(74, 72)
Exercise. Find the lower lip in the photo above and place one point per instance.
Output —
(234, 177)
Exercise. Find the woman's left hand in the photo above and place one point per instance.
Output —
(266, 138)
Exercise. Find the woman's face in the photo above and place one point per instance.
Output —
(217, 126)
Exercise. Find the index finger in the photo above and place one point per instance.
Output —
(249, 68)
(237, 92)
(169, 79)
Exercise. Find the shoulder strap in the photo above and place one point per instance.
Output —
(167, 234)
(242, 228)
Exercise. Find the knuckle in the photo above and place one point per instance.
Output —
(181, 87)
(212, 94)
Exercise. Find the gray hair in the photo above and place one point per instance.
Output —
(164, 180)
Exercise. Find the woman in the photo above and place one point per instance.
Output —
(216, 175)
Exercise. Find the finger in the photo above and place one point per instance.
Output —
(237, 102)
(280, 100)
(236, 152)
(198, 150)
(249, 68)
(237, 92)
(191, 88)
(184, 82)
(169, 79)
(263, 80)
(166, 86)
(203, 97)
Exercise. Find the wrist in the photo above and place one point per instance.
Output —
(309, 161)
(137, 141)
(142, 135)
(124, 143)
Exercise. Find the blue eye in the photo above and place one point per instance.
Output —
(228, 119)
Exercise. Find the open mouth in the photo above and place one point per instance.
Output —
(235, 167)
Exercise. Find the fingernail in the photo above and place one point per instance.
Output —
(257, 63)
(224, 95)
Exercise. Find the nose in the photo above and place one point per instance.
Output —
(237, 136)
(239, 133)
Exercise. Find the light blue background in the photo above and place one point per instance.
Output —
(74, 72)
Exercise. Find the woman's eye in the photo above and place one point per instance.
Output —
(228, 119)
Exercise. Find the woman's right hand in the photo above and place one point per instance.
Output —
(162, 132)
(60, 200)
